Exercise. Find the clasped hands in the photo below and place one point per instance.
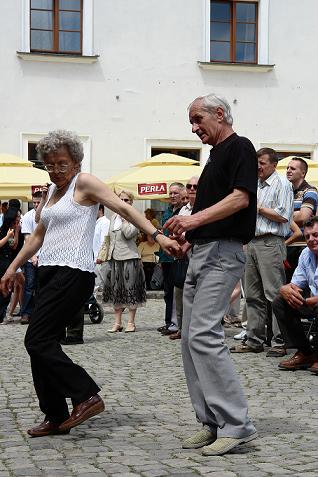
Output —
(292, 294)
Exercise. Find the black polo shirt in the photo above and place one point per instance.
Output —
(232, 164)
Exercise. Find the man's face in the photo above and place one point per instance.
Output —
(295, 171)
(184, 196)
(311, 237)
(206, 126)
(175, 196)
(36, 201)
(265, 167)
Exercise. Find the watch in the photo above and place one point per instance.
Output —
(155, 234)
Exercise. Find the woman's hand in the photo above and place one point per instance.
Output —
(7, 281)
(168, 245)
(10, 234)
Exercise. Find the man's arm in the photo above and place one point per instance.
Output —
(232, 203)
(300, 216)
(270, 214)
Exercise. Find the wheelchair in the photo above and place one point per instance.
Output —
(94, 310)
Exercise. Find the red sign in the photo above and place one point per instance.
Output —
(148, 189)
(37, 188)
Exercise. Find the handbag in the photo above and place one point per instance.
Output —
(179, 271)
(156, 281)
(104, 251)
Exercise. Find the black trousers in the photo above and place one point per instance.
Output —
(168, 288)
(289, 322)
(62, 291)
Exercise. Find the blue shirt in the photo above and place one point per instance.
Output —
(306, 273)
(168, 213)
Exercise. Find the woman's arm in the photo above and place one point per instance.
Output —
(28, 250)
(92, 189)
(296, 235)
(128, 230)
(9, 235)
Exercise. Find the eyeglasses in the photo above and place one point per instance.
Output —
(62, 168)
(125, 200)
(189, 186)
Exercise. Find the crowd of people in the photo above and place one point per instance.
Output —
(239, 229)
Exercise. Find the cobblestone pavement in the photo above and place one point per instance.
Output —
(148, 412)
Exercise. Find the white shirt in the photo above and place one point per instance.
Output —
(186, 210)
(28, 225)
(276, 193)
(101, 229)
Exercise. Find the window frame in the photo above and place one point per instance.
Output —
(263, 39)
(87, 36)
(233, 31)
(56, 29)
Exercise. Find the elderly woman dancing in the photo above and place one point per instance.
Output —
(66, 279)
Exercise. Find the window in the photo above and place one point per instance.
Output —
(193, 154)
(32, 155)
(233, 31)
(283, 154)
(56, 26)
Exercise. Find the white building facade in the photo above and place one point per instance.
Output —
(121, 74)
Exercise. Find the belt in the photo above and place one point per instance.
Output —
(214, 239)
(266, 235)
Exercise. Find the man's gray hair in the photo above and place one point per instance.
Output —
(177, 184)
(211, 102)
(61, 138)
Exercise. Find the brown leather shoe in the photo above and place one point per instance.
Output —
(175, 336)
(46, 428)
(298, 361)
(83, 411)
(314, 368)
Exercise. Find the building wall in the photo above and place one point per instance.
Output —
(147, 74)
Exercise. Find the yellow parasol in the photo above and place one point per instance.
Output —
(17, 176)
(151, 179)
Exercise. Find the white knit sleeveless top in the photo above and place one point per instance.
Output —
(69, 232)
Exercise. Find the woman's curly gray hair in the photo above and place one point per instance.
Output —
(61, 138)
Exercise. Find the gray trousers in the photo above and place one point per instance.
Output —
(214, 387)
(178, 294)
(264, 275)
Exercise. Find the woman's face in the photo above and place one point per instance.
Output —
(124, 197)
(61, 167)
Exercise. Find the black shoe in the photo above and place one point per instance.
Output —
(69, 340)
(168, 332)
(162, 328)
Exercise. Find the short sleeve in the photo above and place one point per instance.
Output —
(27, 223)
(246, 167)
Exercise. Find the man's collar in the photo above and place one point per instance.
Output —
(269, 180)
(304, 185)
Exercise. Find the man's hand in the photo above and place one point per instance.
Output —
(7, 281)
(292, 295)
(180, 223)
(168, 245)
(99, 261)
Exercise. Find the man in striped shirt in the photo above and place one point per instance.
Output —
(305, 206)
(264, 270)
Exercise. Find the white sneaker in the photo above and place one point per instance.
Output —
(240, 336)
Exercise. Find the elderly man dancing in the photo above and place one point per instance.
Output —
(222, 220)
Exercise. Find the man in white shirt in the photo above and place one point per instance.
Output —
(101, 229)
(30, 267)
(266, 252)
